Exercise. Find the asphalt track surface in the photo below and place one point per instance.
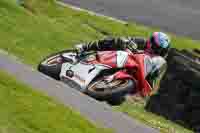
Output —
(99, 113)
(181, 17)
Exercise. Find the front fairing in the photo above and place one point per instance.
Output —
(81, 73)
(91, 65)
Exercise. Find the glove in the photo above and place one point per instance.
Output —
(79, 48)
(132, 45)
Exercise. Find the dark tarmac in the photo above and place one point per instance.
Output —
(181, 17)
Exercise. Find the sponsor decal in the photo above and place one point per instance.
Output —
(69, 73)
(121, 58)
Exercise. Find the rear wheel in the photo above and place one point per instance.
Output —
(113, 91)
(52, 64)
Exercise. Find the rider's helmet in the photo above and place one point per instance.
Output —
(160, 43)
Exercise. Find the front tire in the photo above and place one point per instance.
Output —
(52, 64)
(114, 93)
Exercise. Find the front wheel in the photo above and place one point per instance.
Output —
(113, 92)
(51, 65)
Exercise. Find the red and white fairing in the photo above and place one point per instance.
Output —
(136, 66)
(132, 66)
(115, 59)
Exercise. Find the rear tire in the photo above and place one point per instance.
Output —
(114, 95)
(52, 70)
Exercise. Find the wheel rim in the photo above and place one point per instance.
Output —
(57, 59)
(101, 87)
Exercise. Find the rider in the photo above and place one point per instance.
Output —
(155, 48)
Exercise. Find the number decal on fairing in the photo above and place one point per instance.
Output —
(121, 58)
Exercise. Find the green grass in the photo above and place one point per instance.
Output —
(23, 110)
(136, 110)
(43, 27)
(46, 28)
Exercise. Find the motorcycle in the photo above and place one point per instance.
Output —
(103, 75)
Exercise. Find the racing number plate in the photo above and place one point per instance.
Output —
(80, 73)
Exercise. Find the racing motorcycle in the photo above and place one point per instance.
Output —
(103, 75)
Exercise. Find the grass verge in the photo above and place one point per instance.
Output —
(43, 27)
(23, 110)
(136, 110)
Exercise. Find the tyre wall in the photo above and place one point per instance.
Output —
(179, 96)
